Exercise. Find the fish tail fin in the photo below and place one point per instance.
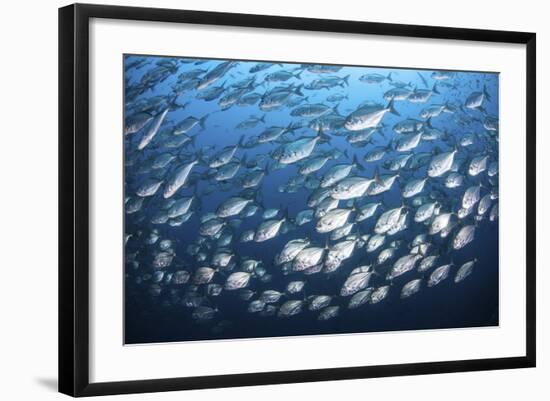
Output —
(346, 80)
(357, 164)
(172, 104)
(202, 121)
(354, 205)
(391, 109)
(295, 126)
(298, 90)
(240, 144)
(452, 262)
(423, 79)
(262, 118)
(200, 157)
(346, 153)
(335, 109)
(297, 76)
(435, 90)
(389, 78)
(429, 123)
(482, 109)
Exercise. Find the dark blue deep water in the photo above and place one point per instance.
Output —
(166, 90)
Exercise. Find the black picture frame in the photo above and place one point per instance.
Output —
(74, 198)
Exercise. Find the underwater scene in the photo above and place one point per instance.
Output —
(267, 199)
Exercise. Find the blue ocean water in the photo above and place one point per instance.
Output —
(157, 309)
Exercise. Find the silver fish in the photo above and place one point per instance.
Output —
(464, 236)
(232, 207)
(368, 116)
(290, 308)
(308, 257)
(332, 220)
(438, 275)
(427, 263)
(351, 187)
(439, 223)
(296, 151)
(403, 265)
(329, 312)
(471, 196)
(268, 229)
(152, 130)
(411, 288)
(270, 296)
(379, 294)
(291, 250)
(478, 165)
(178, 179)
(319, 302)
(441, 163)
(366, 211)
(295, 286)
(360, 298)
(354, 283)
(425, 212)
(337, 253)
(387, 220)
(149, 188)
(414, 187)
(464, 271)
(237, 281)
(203, 275)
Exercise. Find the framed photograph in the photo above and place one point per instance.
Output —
(251, 199)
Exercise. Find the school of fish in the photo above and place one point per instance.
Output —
(344, 157)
